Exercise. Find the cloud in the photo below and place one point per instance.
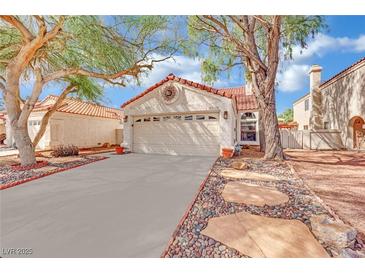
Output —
(182, 66)
(293, 74)
(324, 44)
(294, 78)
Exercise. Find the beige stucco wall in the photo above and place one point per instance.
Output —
(73, 129)
(189, 100)
(82, 130)
(300, 115)
(343, 100)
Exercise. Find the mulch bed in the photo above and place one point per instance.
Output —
(10, 176)
(187, 240)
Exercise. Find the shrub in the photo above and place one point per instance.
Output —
(62, 151)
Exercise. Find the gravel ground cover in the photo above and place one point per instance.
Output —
(9, 176)
(187, 240)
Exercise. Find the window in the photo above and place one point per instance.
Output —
(200, 117)
(188, 118)
(166, 118)
(156, 119)
(177, 117)
(305, 127)
(248, 116)
(138, 120)
(326, 125)
(306, 105)
(212, 118)
(147, 119)
(34, 123)
(248, 127)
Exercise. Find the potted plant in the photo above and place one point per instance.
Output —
(119, 150)
(227, 152)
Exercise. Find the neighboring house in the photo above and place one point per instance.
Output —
(76, 122)
(336, 105)
(180, 117)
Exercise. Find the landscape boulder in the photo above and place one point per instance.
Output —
(239, 165)
(334, 234)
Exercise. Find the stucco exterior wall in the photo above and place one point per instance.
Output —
(82, 130)
(300, 115)
(72, 129)
(343, 100)
(190, 100)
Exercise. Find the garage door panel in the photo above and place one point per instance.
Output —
(177, 137)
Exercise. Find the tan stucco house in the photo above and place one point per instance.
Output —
(180, 117)
(336, 106)
(76, 122)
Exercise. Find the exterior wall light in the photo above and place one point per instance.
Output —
(225, 114)
(125, 119)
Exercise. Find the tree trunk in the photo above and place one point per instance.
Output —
(273, 148)
(261, 132)
(24, 145)
(49, 113)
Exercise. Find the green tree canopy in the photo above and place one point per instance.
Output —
(287, 115)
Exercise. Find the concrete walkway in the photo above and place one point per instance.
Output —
(125, 206)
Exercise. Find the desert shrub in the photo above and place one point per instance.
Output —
(62, 151)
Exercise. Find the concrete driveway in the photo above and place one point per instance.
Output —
(125, 206)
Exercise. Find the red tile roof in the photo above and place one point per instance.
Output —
(335, 77)
(244, 102)
(77, 106)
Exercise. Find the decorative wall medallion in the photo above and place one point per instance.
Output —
(169, 94)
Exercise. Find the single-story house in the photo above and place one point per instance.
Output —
(334, 107)
(76, 122)
(181, 117)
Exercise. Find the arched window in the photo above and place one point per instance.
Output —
(249, 127)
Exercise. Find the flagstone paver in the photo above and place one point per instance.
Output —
(259, 236)
(248, 175)
(239, 192)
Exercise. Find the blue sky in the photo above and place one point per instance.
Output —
(335, 49)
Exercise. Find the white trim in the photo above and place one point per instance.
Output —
(257, 142)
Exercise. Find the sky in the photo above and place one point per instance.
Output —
(342, 44)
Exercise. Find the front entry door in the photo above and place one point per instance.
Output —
(358, 131)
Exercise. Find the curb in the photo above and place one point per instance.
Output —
(12, 184)
(190, 206)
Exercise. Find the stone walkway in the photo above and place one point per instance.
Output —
(261, 237)
(290, 210)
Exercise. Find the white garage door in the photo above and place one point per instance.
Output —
(185, 134)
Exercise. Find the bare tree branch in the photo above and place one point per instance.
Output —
(32, 100)
(54, 108)
(42, 29)
(12, 20)
(133, 71)
(267, 25)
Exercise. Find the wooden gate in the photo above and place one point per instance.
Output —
(291, 138)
